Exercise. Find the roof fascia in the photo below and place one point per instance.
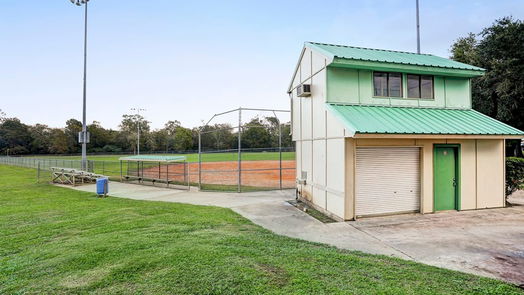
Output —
(415, 69)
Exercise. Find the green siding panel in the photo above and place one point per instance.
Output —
(408, 120)
(355, 86)
(457, 92)
(343, 85)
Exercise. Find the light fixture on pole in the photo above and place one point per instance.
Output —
(83, 136)
(138, 128)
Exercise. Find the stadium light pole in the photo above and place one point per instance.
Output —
(138, 128)
(84, 136)
(418, 28)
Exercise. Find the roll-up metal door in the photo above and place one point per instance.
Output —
(387, 180)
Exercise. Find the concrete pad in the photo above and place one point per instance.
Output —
(517, 198)
(484, 242)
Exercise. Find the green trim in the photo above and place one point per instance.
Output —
(457, 173)
(405, 68)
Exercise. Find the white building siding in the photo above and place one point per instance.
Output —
(318, 137)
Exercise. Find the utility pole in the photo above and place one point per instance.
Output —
(83, 137)
(138, 128)
(418, 29)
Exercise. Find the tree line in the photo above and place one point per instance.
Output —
(500, 92)
(17, 138)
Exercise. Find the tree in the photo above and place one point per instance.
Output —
(58, 142)
(2, 116)
(256, 134)
(73, 127)
(216, 137)
(41, 139)
(183, 139)
(500, 92)
(15, 137)
(129, 128)
(100, 137)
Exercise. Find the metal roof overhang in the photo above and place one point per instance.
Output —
(405, 68)
(408, 122)
(434, 136)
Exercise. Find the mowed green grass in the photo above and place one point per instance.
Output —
(60, 241)
(210, 157)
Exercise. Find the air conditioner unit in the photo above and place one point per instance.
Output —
(304, 90)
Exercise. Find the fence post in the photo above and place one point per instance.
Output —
(186, 175)
(199, 160)
(239, 149)
(279, 149)
(38, 173)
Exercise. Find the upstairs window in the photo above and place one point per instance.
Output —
(420, 86)
(387, 84)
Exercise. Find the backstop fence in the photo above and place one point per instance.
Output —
(245, 168)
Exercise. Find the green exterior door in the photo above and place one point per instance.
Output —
(445, 173)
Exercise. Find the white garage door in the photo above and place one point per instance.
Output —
(387, 180)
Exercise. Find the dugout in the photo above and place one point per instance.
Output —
(168, 170)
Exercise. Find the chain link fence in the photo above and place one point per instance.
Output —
(217, 170)
(43, 166)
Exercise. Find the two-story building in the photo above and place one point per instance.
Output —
(382, 132)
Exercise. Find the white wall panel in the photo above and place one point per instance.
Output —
(334, 128)
(319, 197)
(307, 160)
(305, 65)
(335, 173)
(298, 157)
(296, 118)
(490, 173)
(319, 162)
(306, 118)
(318, 61)
(319, 120)
(335, 204)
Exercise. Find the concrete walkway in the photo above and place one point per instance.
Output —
(484, 242)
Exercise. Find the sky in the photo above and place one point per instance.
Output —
(187, 60)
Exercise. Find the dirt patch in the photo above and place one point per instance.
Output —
(277, 275)
(257, 174)
(312, 212)
(253, 173)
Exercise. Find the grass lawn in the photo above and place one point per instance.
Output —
(59, 241)
(212, 157)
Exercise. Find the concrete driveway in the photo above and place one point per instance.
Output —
(484, 242)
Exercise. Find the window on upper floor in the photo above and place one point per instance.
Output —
(420, 86)
(387, 84)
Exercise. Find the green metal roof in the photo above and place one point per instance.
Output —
(389, 56)
(147, 158)
(408, 120)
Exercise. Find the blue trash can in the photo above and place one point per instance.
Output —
(102, 186)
